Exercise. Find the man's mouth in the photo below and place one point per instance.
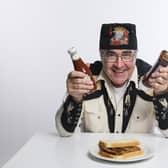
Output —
(119, 70)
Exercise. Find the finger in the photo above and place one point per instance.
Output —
(159, 80)
(163, 75)
(79, 84)
(82, 87)
(155, 74)
(83, 81)
(159, 88)
(76, 74)
(78, 92)
(164, 69)
(155, 86)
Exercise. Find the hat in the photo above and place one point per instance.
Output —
(118, 36)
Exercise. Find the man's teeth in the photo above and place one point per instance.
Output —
(119, 71)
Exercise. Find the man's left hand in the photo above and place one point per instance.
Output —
(159, 81)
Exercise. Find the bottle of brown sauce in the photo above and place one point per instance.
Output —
(161, 62)
(79, 65)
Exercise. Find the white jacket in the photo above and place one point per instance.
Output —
(136, 112)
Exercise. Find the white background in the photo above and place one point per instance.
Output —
(34, 38)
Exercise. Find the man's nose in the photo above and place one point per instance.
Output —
(119, 62)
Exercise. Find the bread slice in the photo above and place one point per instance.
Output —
(120, 143)
(121, 156)
(122, 149)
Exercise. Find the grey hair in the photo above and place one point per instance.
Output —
(102, 52)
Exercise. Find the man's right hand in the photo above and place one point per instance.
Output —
(78, 85)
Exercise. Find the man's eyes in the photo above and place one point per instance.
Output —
(111, 54)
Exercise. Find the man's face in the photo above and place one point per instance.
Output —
(118, 65)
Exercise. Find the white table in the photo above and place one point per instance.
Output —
(52, 151)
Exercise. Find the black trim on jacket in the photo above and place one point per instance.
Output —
(72, 110)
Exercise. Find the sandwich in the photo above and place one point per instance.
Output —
(122, 149)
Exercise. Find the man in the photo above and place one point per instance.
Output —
(119, 104)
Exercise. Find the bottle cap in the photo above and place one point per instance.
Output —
(72, 51)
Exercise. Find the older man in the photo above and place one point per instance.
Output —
(119, 104)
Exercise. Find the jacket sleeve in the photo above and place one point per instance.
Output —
(161, 110)
(67, 117)
(160, 102)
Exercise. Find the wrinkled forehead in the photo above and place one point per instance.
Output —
(121, 51)
(118, 51)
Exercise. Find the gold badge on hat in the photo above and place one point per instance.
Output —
(120, 36)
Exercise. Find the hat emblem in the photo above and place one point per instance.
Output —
(119, 36)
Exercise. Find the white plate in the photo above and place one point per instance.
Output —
(148, 153)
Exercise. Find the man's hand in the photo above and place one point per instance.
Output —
(78, 85)
(159, 81)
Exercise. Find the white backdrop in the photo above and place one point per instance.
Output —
(34, 38)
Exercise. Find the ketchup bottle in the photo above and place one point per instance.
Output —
(79, 65)
(161, 62)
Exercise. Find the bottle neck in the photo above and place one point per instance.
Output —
(75, 57)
